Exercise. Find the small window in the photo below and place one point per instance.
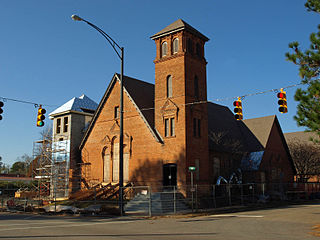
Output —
(175, 46)
(60, 139)
(58, 129)
(116, 112)
(164, 49)
(169, 86)
(166, 127)
(190, 46)
(169, 127)
(199, 127)
(172, 130)
(65, 124)
(198, 50)
(196, 87)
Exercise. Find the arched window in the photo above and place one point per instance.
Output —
(106, 164)
(190, 46)
(196, 87)
(115, 162)
(164, 49)
(169, 86)
(175, 47)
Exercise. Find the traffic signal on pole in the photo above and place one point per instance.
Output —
(282, 101)
(41, 117)
(238, 109)
(1, 110)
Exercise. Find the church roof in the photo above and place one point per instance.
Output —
(248, 136)
(227, 134)
(178, 26)
(261, 127)
(78, 104)
(142, 96)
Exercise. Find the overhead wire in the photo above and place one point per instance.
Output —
(185, 104)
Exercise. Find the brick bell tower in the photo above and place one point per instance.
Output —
(181, 115)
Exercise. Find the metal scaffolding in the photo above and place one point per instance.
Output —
(50, 168)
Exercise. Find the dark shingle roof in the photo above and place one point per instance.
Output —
(143, 95)
(178, 26)
(222, 124)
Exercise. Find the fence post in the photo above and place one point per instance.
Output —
(25, 203)
(241, 193)
(174, 200)
(229, 193)
(150, 201)
(214, 196)
(196, 197)
(252, 193)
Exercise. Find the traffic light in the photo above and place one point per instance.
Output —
(1, 110)
(238, 109)
(41, 117)
(282, 101)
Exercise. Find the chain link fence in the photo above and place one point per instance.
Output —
(155, 199)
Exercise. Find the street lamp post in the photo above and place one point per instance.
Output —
(120, 54)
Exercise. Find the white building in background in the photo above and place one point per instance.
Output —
(70, 122)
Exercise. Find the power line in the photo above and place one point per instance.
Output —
(26, 102)
(192, 103)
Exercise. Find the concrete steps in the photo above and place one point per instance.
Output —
(161, 203)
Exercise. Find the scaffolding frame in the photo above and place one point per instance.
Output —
(50, 168)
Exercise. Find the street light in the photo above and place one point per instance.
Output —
(120, 54)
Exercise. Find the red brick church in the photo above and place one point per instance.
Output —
(170, 126)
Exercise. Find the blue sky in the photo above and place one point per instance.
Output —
(47, 58)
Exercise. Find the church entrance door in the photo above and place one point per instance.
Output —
(170, 174)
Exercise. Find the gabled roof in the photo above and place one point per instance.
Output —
(261, 127)
(178, 26)
(142, 96)
(80, 104)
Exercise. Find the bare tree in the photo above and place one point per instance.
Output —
(226, 143)
(306, 158)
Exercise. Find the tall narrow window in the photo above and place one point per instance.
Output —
(164, 49)
(172, 127)
(169, 86)
(58, 129)
(65, 124)
(196, 87)
(166, 127)
(194, 127)
(175, 46)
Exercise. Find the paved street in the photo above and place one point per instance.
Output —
(294, 222)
